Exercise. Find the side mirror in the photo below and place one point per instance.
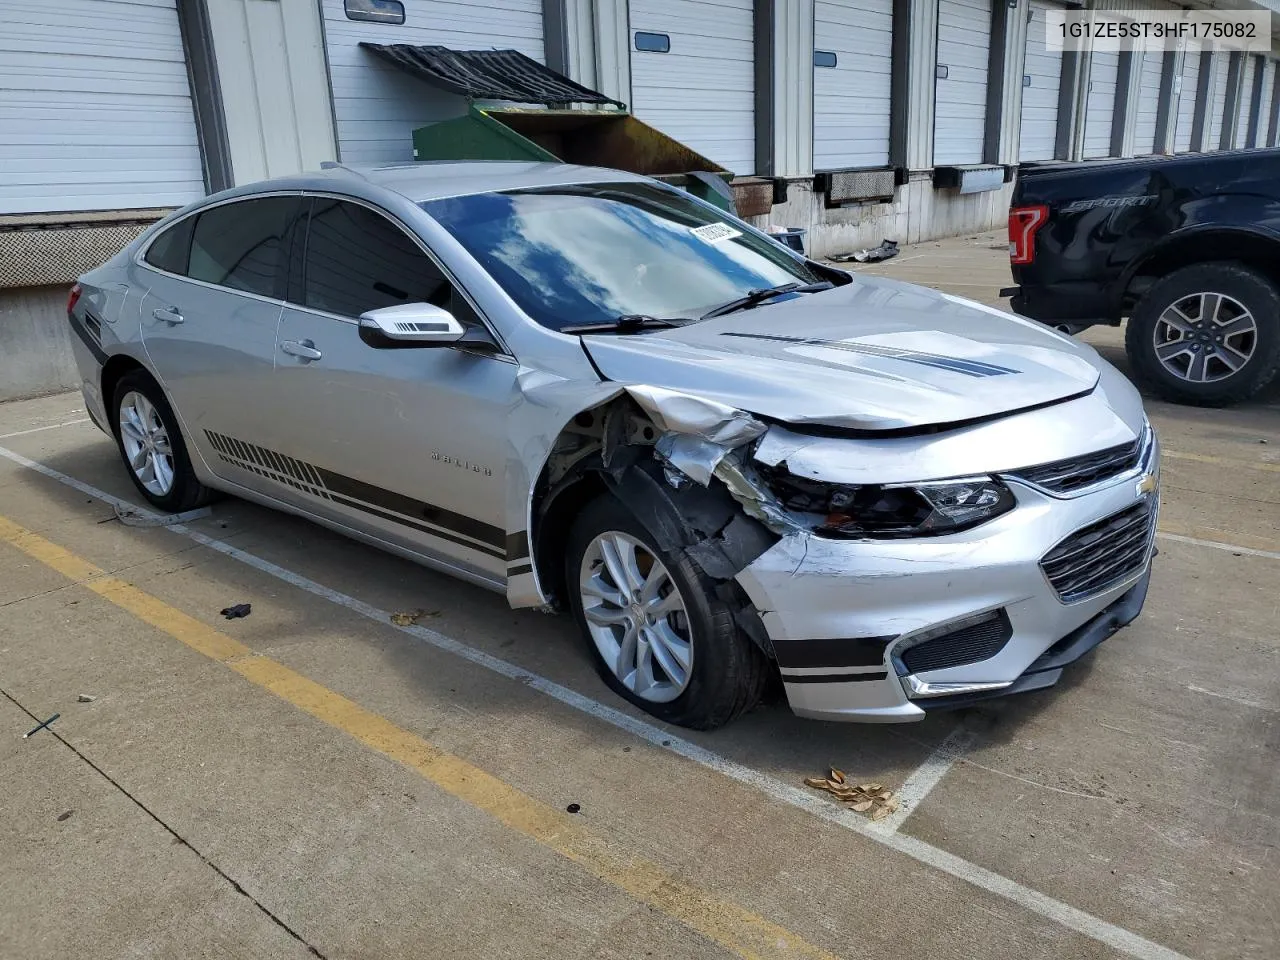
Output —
(410, 325)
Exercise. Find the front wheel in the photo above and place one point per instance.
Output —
(655, 628)
(1207, 334)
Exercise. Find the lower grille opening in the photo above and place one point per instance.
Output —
(969, 644)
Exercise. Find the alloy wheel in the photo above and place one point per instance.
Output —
(146, 443)
(1204, 337)
(636, 617)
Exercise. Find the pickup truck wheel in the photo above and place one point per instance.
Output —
(655, 628)
(1207, 334)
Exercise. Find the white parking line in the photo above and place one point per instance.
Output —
(918, 786)
(48, 426)
(1120, 939)
(1215, 545)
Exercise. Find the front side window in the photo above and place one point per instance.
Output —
(590, 253)
(358, 260)
(242, 245)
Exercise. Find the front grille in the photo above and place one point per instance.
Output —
(978, 641)
(1102, 554)
(1076, 473)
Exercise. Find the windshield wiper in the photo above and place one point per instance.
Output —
(628, 323)
(757, 297)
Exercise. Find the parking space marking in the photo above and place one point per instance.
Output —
(918, 786)
(48, 426)
(1221, 461)
(1117, 937)
(723, 922)
(1218, 545)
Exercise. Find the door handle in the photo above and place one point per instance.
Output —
(303, 350)
(170, 315)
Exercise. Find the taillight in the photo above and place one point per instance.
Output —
(73, 297)
(1023, 224)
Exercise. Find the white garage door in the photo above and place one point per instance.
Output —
(960, 97)
(1245, 102)
(1188, 90)
(1100, 105)
(1267, 126)
(1217, 115)
(377, 107)
(95, 107)
(1264, 101)
(1041, 79)
(1144, 130)
(701, 90)
(851, 95)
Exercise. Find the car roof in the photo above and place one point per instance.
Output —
(435, 179)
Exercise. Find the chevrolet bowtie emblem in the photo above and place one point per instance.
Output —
(1147, 484)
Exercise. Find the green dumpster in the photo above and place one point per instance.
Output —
(601, 133)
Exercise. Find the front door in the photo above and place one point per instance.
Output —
(406, 444)
(209, 323)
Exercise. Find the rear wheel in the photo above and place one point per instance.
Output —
(152, 447)
(1207, 334)
(655, 628)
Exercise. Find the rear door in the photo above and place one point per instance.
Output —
(406, 444)
(209, 321)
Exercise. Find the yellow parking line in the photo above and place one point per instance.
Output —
(1221, 461)
(727, 924)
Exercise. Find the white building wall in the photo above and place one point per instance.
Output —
(274, 86)
(851, 100)
(95, 107)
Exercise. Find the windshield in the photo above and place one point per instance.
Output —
(571, 255)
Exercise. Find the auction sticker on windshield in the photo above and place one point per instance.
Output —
(715, 232)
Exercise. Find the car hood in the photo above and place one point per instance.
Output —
(875, 354)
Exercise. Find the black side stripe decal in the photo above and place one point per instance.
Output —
(831, 654)
(488, 534)
(517, 546)
(385, 504)
(98, 353)
(970, 368)
(833, 677)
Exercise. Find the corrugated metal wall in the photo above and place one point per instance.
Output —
(702, 90)
(1144, 134)
(95, 107)
(851, 99)
(960, 99)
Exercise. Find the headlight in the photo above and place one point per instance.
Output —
(910, 510)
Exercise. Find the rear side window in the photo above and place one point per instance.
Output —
(358, 260)
(242, 245)
(169, 251)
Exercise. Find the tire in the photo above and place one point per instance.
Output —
(728, 673)
(183, 491)
(1204, 377)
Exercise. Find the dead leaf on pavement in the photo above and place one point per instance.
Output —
(869, 798)
(411, 619)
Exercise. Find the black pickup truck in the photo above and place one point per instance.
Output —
(1187, 248)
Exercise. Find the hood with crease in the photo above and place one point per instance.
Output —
(875, 354)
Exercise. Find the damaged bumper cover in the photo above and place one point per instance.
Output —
(886, 630)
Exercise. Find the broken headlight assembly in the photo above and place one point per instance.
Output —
(892, 510)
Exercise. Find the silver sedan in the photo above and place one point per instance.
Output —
(591, 391)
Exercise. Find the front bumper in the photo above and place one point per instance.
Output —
(842, 614)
